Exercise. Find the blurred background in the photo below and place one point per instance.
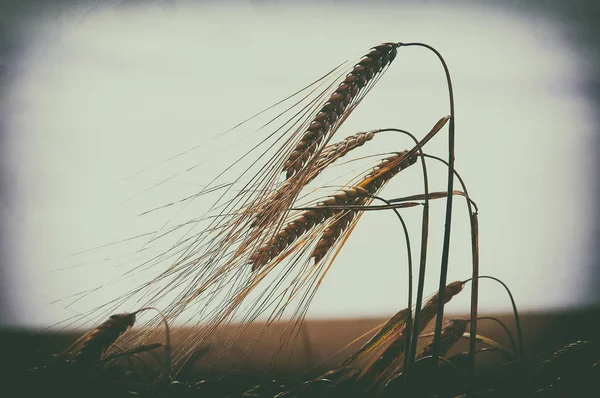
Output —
(97, 94)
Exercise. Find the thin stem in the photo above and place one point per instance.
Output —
(167, 345)
(473, 219)
(408, 328)
(423, 257)
(447, 227)
(462, 182)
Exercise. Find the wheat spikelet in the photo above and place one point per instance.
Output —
(363, 72)
(429, 309)
(307, 219)
(333, 152)
(329, 155)
(391, 360)
(365, 189)
(392, 326)
(286, 236)
(89, 348)
(451, 333)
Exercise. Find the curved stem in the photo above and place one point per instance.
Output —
(408, 327)
(167, 346)
(424, 236)
(515, 311)
(448, 221)
(473, 219)
(428, 357)
(462, 182)
(503, 326)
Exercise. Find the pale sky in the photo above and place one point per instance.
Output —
(102, 97)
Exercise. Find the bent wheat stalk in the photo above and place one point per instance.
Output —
(515, 311)
(513, 343)
(448, 218)
(360, 194)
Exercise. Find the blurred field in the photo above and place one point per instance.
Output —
(318, 341)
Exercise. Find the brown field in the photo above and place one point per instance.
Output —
(543, 333)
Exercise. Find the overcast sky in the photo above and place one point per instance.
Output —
(108, 94)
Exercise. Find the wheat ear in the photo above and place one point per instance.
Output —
(363, 72)
(451, 333)
(329, 155)
(366, 188)
(392, 359)
(392, 326)
(307, 219)
(91, 346)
